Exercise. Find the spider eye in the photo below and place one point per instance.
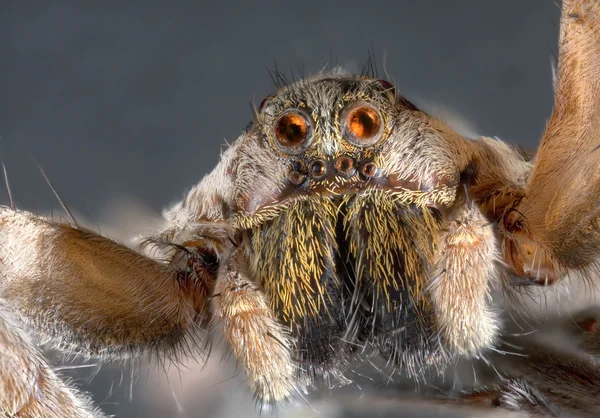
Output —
(362, 124)
(387, 86)
(264, 102)
(292, 131)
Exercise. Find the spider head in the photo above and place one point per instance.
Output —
(333, 136)
(334, 192)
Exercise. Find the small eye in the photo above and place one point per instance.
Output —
(292, 131)
(317, 169)
(264, 102)
(388, 87)
(369, 170)
(363, 124)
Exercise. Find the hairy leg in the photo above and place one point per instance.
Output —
(258, 341)
(88, 293)
(28, 386)
(545, 382)
(554, 225)
(466, 266)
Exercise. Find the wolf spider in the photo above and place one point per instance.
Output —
(342, 217)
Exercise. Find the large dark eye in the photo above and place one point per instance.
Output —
(292, 131)
(362, 124)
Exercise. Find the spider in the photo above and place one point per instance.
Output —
(343, 220)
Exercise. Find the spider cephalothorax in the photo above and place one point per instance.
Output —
(347, 205)
(343, 221)
(342, 240)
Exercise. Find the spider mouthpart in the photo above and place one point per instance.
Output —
(317, 169)
(296, 178)
(369, 170)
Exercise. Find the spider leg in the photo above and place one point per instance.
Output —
(552, 372)
(28, 386)
(512, 394)
(258, 341)
(466, 266)
(586, 330)
(547, 381)
(556, 223)
(89, 294)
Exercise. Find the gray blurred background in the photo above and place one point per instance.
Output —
(128, 104)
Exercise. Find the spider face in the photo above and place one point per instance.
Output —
(335, 136)
(341, 232)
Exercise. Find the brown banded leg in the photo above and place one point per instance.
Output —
(28, 386)
(552, 372)
(466, 266)
(514, 395)
(555, 225)
(545, 382)
(583, 329)
(90, 294)
(257, 340)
